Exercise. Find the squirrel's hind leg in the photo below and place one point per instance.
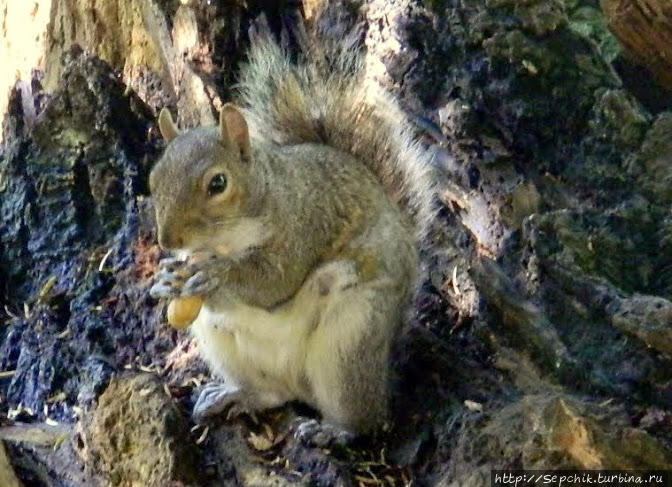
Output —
(348, 357)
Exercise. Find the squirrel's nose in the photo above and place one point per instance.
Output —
(170, 241)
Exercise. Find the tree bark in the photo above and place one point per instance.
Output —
(645, 28)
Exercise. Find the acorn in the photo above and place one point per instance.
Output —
(183, 311)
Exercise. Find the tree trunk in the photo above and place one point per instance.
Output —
(542, 337)
(645, 28)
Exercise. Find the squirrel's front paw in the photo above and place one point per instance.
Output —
(179, 278)
(202, 282)
(168, 282)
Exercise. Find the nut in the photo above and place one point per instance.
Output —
(183, 311)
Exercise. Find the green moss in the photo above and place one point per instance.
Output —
(621, 246)
(519, 49)
(524, 201)
(619, 118)
(651, 167)
(589, 22)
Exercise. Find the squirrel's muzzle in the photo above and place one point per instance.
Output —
(170, 240)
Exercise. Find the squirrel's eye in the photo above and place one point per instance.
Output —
(217, 184)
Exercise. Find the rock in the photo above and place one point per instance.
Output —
(137, 435)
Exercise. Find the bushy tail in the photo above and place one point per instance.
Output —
(324, 98)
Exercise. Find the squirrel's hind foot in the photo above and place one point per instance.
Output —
(214, 398)
(316, 434)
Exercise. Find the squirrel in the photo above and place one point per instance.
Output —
(301, 214)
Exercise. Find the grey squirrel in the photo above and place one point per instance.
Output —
(299, 216)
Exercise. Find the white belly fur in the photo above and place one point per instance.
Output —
(257, 349)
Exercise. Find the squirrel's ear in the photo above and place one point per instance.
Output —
(167, 126)
(233, 129)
